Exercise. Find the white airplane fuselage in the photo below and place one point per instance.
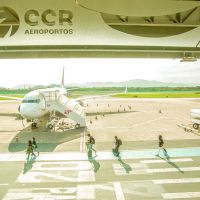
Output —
(38, 103)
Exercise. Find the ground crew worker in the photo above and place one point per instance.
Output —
(29, 150)
(90, 143)
(117, 144)
(35, 147)
(161, 145)
(17, 139)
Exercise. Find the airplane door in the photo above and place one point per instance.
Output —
(53, 96)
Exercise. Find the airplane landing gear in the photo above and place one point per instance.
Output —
(77, 126)
(50, 126)
(53, 120)
(195, 126)
(34, 125)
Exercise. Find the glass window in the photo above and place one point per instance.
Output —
(31, 101)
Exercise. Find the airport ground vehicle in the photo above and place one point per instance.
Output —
(195, 118)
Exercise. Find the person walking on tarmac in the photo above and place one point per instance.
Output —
(35, 147)
(161, 146)
(29, 150)
(117, 144)
(90, 143)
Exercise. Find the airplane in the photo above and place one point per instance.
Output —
(38, 103)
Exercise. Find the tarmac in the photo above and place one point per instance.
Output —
(64, 169)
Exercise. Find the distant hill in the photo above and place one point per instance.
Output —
(23, 86)
(130, 83)
(135, 83)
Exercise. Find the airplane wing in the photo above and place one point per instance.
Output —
(95, 97)
(72, 89)
(100, 96)
(17, 115)
(109, 113)
(9, 97)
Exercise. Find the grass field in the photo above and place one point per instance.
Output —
(160, 95)
(11, 95)
(171, 94)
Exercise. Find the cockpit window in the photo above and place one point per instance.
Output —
(31, 101)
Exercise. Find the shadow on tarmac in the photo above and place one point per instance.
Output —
(47, 141)
(16, 115)
(28, 165)
(126, 166)
(170, 162)
(91, 159)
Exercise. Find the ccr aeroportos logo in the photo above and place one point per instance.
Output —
(38, 22)
(48, 21)
(9, 22)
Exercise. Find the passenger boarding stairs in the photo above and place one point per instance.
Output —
(69, 108)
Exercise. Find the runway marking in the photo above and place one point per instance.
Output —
(81, 142)
(141, 168)
(85, 192)
(86, 176)
(107, 155)
(4, 184)
(84, 141)
(183, 195)
(79, 192)
(42, 177)
(164, 161)
(170, 181)
(142, 190)
(183, 169)
(118, 191)
(129, 169)
(77, 171)
(41, 193)
(62, 166)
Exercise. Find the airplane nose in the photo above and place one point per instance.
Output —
(19, 108)
(28, 112)
(25, 112)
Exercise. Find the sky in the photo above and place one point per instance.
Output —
(14, 72)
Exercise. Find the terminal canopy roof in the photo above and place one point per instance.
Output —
(100, 28)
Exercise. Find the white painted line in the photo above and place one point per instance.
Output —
(4, 184)
(81, 142)
(86, 176)
(118, 191)
(85, 192)
(181, 180)
(84, 141)
(184, 169)
(62, 166)
(184, 195)
(164, 161)
(39, 177)
(142, 168)
(41, 193)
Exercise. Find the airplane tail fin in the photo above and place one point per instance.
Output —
(63, 78)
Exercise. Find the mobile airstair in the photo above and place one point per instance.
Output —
(67, 107)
